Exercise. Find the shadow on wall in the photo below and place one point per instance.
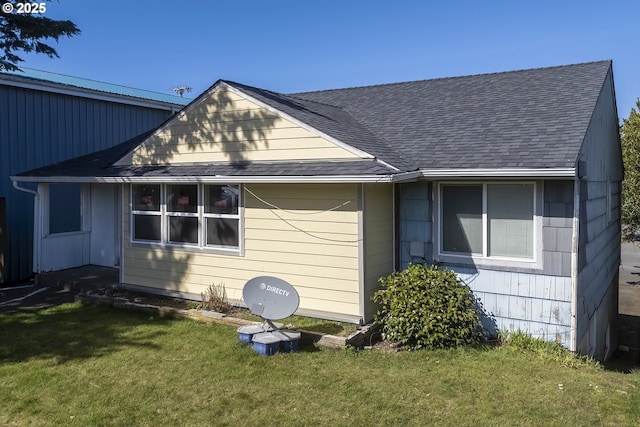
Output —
(163, 270)
(221, 128)
(219, 124)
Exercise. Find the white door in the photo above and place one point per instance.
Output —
(105, 219)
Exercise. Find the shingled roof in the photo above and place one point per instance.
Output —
(533, 118)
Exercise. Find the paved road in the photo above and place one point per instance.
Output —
(630, 280)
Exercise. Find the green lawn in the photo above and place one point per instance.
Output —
(96, 365)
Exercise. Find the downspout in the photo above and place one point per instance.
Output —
(36, 227)
(573, 345)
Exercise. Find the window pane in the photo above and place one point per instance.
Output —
(183, 229)
(510, 220)
(221, 199)
(182, 198)
(462, 218)
(222, 232)
(146, 227)
(64, 208)
(146, 197)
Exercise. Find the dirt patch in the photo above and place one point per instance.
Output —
(163, 301)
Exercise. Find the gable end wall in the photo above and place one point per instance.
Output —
(225, 127)
(600, 170)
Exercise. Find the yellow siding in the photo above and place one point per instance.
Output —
(227, 127)
(310, 246)
(378, 240)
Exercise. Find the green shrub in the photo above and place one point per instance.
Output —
(430, 307)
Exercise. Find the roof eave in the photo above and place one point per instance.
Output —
(567, 172)
(290, 179)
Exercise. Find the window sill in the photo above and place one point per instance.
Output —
(65, 234)
(190, 249)
(501, 264)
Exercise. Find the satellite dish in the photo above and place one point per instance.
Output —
(270, 298)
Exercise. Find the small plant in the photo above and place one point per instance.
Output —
(214, 298)
(430, 307)
(523, 342)
(192, 305)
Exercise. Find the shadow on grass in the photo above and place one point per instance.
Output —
(71, 331)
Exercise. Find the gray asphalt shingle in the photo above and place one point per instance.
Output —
(529, 118)
(534, 118)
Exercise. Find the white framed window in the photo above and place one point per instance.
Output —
(146, 224)
(221, 215)
(182, 214)
(187, 215)
(488, 220)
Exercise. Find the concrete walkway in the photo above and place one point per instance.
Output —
(55, 288)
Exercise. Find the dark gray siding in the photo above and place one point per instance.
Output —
(39, 128)
(557, 228)
(416, 229)
(600, 170)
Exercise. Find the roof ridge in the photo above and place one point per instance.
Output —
(522, 70)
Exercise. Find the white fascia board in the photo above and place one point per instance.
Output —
(389, 178)
(353, 150)
(500, 173)
(95, 94)
(320, 179)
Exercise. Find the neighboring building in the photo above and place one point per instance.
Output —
(511, 179)
(46, 118)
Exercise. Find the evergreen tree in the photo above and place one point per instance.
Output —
(630, 138)
(27, 32)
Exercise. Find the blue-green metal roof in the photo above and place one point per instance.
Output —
(97, 85)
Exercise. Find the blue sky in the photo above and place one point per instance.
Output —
(294, 46)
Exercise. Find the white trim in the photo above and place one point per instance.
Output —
(292, 179)
(464, 173)
(45, 86)
(200, 215)
(362, 260)
(482, 260)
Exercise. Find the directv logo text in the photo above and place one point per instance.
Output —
(277, 290)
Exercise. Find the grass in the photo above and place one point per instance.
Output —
(96, 365)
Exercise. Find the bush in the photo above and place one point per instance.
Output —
(430, 307)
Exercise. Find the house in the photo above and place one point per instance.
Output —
(46, 118)
(510, 179)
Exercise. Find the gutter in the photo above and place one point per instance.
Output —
(499, 173)
(322, 179)
(36, 226)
